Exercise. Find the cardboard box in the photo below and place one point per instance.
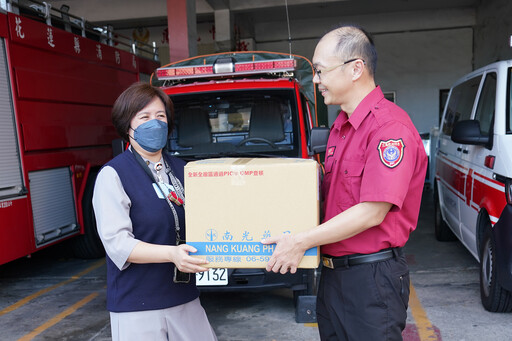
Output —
(233, 203)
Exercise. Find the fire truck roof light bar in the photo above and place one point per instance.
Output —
(226, 67)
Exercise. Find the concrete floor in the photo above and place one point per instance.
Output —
(52, 298)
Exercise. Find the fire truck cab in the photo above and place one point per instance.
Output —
(246, 104)
(473, 187)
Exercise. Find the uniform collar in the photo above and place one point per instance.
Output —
(362, 110)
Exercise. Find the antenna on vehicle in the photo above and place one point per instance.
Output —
(289, 33)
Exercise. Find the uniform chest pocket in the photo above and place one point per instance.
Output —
(351, 168)
(351, 175)
(330, 162)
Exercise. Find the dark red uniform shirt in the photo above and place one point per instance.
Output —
(375, 155)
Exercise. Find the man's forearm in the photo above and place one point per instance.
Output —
(347, 224)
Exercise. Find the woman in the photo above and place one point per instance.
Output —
(139, 205)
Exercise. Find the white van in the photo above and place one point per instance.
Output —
(473, 184)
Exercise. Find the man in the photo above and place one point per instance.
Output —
(374, 173)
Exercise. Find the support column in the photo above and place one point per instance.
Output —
(182, 24)
(223, 31)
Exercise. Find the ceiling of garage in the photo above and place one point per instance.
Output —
(271, 10)
(136, 13)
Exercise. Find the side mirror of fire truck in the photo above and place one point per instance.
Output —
(318, 141)
(118, 147)
(468, 132)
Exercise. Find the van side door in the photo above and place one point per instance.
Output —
(450, 171)
(479, 183)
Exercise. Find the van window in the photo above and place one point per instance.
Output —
(509, 102)
(486, 104)
(460, 103)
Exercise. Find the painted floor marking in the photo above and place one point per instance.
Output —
(45, 290)
(426, 331)
(59, 317)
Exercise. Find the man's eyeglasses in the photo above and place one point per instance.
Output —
(319, 72)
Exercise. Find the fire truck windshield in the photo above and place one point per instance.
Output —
(235, 123)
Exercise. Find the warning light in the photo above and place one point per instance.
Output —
(226, 67)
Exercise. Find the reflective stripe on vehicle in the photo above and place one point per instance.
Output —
(475, 189)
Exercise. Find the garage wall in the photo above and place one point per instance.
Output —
(493, 31)
(420, 53)
(417, 65)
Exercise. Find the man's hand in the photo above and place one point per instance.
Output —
(287, 254)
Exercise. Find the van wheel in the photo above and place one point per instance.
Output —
(88, 245)
(494, 297)
(442, 230)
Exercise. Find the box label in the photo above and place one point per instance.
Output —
(233, 252)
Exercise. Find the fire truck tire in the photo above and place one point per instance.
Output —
(494, 297)
(88, 245)
(442, 230)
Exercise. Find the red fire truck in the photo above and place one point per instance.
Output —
(59, 77)
(246, 104)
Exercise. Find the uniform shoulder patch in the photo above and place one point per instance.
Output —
(391, 152)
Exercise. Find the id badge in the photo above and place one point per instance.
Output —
(163, 187)
(158, 191)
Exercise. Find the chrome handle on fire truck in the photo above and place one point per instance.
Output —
(47, 15)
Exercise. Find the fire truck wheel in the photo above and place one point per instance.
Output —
(494, 297)
(442, 230)
(88, 245)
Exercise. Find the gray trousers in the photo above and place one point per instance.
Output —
(186, 322)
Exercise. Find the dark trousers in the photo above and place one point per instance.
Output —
(364, 302)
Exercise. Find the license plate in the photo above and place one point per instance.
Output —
(212, 277)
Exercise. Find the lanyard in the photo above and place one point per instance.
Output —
(176, 184)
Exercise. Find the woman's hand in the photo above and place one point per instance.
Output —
(184, 262)
(144, 253)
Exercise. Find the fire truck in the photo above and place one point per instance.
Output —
(246, 104)
(59, 76)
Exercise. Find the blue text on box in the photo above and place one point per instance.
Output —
(239, 249)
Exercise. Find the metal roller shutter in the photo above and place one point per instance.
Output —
(11, 180)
